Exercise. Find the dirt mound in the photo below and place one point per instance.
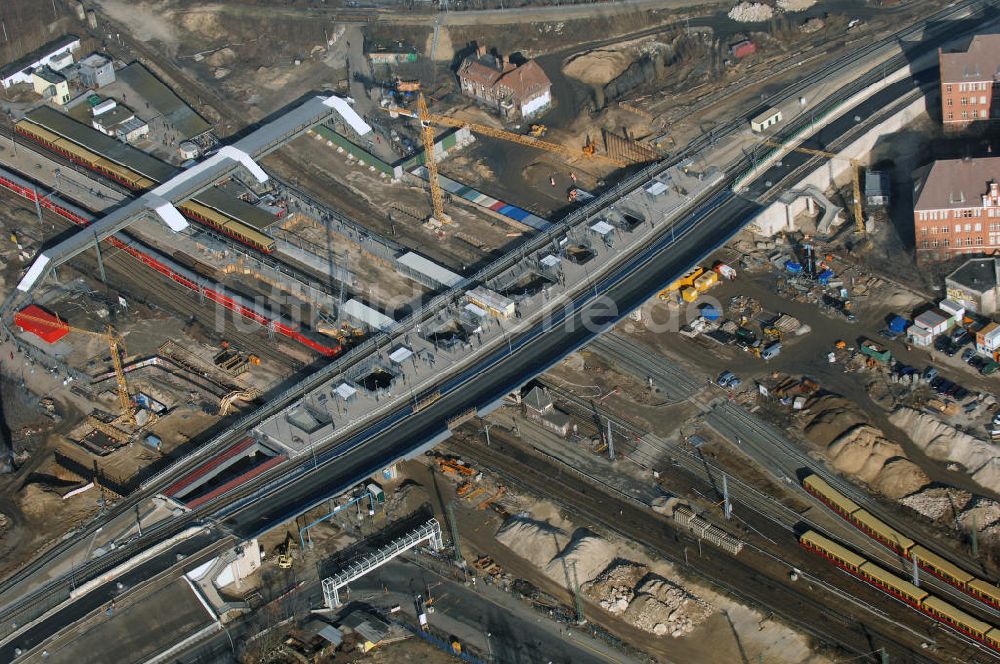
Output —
(537, 542)
(597, 67)
(588, 552)
(857, 449)
(938, 503)
(206, 23)
(830, 416)
(222, 57)
(942, 442)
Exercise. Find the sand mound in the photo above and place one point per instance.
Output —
(751, 12)
(221, 57)
(938, 503)
(862, 451)
(590, 553)
(597, 67)
(795, 5)
(900, 477)
(537, 542)
(942, 442)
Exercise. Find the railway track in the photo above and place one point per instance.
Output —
(674, 381)
(26, 603)
(744, 495)
(737, 577)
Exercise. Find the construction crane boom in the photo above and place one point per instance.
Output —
(430, 159)
(502, 134)
(859, 219)
(117, 350)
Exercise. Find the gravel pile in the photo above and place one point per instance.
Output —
(647, 601)
(751, 12)
(984, 515)
(664, 608)
(938, 503)
(614, 589)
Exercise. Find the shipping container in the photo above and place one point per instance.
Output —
(743, 49)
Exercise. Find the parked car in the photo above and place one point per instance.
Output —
(930, 373)
(725, 378)
(977, 362)
(961, 338)
(967, 354)
(958, 334)
(989, 368)
(961, 394)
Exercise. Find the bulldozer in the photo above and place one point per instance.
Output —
(538, 130)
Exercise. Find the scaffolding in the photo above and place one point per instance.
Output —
(430, 531)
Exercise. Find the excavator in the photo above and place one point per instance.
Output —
(284, 551)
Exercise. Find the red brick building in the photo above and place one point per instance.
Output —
(957, 209)
(516, 92)
(967, 82)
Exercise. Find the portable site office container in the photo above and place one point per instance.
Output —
(768, 118)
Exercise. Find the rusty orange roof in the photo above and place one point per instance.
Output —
(526, 81)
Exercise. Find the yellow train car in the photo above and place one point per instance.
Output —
(830, 549)
(228, 226)
(992, 638)
(37, 132)
(956, 617)
(984, 591)
(837, 501)
(893, 584)
(883, 532)
(939, 566)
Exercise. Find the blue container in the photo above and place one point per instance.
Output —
(793, 267)
(897, 324)
(825, 276)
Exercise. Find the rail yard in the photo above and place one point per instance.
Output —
(664, 331)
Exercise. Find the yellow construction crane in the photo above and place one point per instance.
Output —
(859, 219)
(443, 120)
(427, 135)
(117, 345)
(430, 160)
